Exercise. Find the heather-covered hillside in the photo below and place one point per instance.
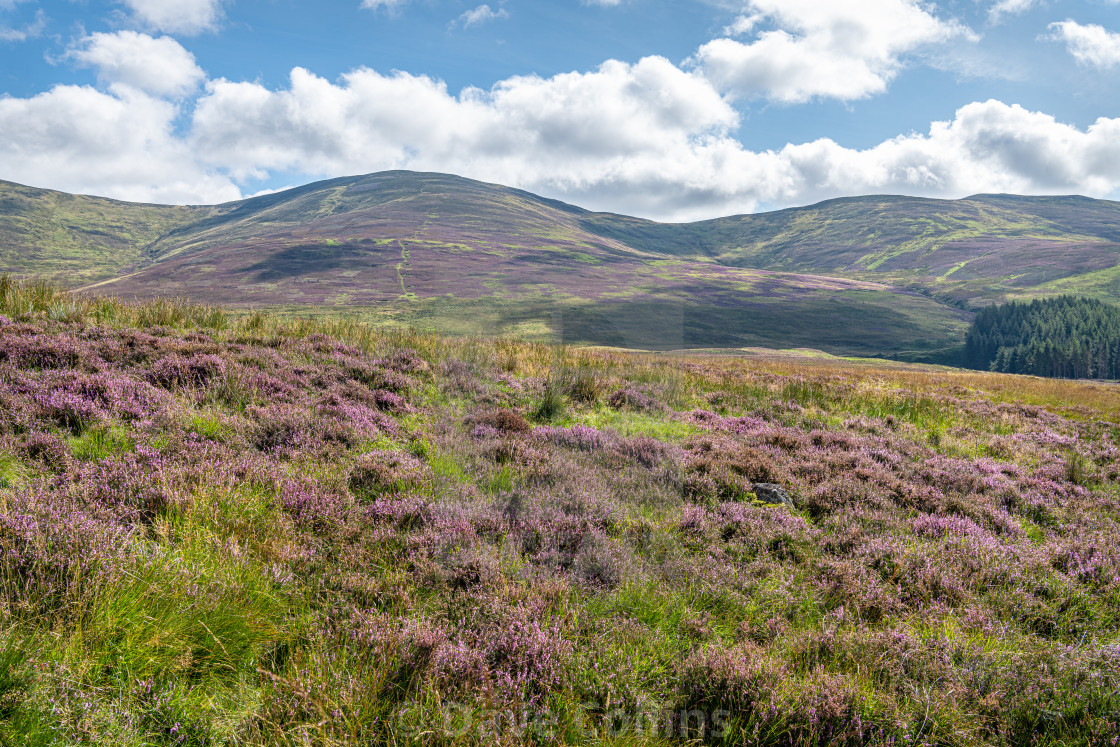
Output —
(222, 529)
(875, 275)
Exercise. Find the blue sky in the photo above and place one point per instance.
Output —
(670, 110)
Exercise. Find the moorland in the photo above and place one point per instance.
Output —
(878, 276)
(256, 529)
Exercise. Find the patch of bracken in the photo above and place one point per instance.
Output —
(175, 371)
(383, 471)
(634, 399)
(503, 421)
(406, 360)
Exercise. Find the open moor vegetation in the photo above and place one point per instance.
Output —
(876, 275)
(240, 529)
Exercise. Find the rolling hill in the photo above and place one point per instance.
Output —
(868, 275)
(971, 251)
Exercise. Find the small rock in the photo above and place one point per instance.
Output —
(769, 492)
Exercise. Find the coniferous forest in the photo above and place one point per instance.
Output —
(1065, 337)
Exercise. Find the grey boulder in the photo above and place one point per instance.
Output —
(769, 492)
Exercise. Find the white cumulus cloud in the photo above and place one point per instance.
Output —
(1089, 44)
(158, 66)
(988, 147)
(569, 132)
(843, 49)
(645, 138)
(176, 16)
(122, 145)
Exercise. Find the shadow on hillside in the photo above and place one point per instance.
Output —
(844, 325)
(305, 259)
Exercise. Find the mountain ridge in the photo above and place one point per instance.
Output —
(456, 254)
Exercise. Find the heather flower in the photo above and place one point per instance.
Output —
(741, 679)
(46, 351)
(601, 561)
(70, 409)
(483, 432)
(282, 427)
(374, 376)
(76, 400)
(333, 422)
(464, 572)
(52, 551)
(47, 449)
(391, 402)
(929, 525)
(579, 437)
(313, 507)
(716, 470)
(347, 422)
(458, 377)
(827, 709)
(321, 343)
(267, 387)
(646, 451)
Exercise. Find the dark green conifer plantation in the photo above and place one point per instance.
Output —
(1064, 337)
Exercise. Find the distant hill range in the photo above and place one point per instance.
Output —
(864, 275)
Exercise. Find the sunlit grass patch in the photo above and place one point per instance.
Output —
(243, 516)
(210, 623)
(447, 466)
(101, 442)
(629, 424)
(210, 425)
(13, 472)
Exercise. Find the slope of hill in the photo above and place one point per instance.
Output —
(75, 238)
(972, 251)
(869, 275)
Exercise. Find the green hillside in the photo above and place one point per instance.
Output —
(865, 275)
(72, 238)
(970, 251)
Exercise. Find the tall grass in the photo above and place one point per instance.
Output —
(25, 300)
